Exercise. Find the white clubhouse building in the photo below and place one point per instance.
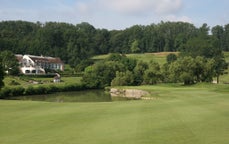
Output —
(30, 64)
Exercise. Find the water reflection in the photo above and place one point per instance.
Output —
(79, 96)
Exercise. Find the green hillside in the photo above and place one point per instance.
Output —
(146, 57)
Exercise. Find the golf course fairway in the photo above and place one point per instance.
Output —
(175, 115)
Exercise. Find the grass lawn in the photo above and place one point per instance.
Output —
(177, 115)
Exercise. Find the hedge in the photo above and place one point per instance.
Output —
(39, 90)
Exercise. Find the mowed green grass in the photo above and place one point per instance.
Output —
(176, 115)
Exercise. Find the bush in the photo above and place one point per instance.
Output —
(53, 88)
(38, 90)
(73, 87)
(5, 92)
(10, 92)
(171, 58)
(17, 91)
(29, 90)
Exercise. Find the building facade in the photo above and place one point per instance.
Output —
(30, 64)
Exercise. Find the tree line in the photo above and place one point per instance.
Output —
(75, 43)
(119, 70)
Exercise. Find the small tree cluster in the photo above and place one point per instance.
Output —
(118, 70)
(189, 70)
(102, 73)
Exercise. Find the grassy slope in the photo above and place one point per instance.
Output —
(46, 81)
(146, 57)
(178, 115)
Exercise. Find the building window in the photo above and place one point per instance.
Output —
(27, 71)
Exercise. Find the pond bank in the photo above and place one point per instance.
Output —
(129, 93)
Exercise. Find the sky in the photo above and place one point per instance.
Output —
(117, 14)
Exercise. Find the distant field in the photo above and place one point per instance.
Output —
(147, 57)
(177, 115)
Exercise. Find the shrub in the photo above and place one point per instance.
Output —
(5, 92)
(29, 90)
(53, 88)
(171, 58)
(38, 90)
(17, 91)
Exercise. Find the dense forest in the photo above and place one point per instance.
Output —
(74, 43)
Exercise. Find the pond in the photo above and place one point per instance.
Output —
(77, 96)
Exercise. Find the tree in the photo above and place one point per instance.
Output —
(218, 33)
(192, 70)
(102, 73)
(220, 66)
(123, 79)
(171, 58)
(1, 76)
(135, 47)
(139, 71)
(153, 74)
(182, 70)
(204, 69)
(101, 39)
(9, 62)
(129, 63)
(203, 30)
(226, 38)
(113, 70)
(207, 47)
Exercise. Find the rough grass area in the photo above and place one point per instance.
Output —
(179, 115)
(159, 57)
(41, 81)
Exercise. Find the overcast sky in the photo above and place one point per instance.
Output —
(117, 14)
